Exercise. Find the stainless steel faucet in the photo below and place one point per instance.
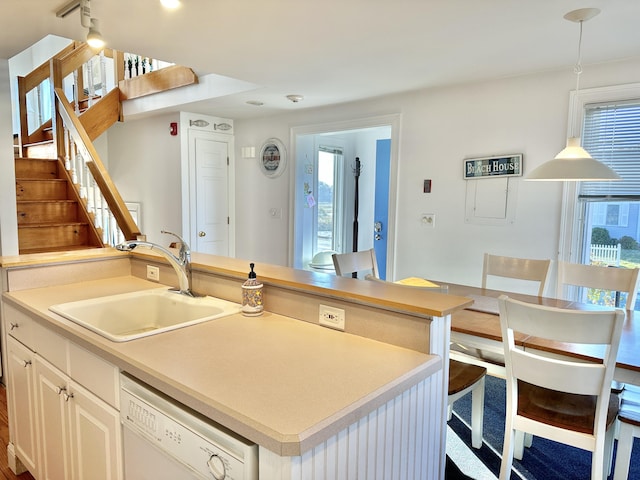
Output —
(181, 264)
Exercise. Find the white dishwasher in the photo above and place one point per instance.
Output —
(164, 440)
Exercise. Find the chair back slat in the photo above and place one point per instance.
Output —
(355, 262)
(624, 280)
(561, 325)
(517, 268)
(585, 379)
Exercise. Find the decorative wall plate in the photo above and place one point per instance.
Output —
(272, 158)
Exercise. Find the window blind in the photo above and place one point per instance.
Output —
(611, 134)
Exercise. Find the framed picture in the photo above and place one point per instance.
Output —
(272, 158)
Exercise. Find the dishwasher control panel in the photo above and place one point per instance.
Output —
(185, 435)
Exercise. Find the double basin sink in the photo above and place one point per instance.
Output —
(129, 316)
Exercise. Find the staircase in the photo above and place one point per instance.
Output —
(49, 215)
(64, 196)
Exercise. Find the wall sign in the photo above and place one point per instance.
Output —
(502, 166)
(273, 158)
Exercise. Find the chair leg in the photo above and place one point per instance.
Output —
(608, 450)
(623, 455)
(507, 453)
(518, 447)
(477, 414)
(528, 440)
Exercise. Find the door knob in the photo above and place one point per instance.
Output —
(202, 234)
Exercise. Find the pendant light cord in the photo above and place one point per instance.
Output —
(577, 69)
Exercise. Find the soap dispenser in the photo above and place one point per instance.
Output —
(252, 295)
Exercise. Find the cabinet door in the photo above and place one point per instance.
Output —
(22, 397)
(95, 437)
(52, 387)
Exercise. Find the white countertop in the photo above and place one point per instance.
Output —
(282, 383)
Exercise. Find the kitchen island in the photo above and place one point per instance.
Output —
(300, 391)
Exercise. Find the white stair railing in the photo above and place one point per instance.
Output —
(90, 193)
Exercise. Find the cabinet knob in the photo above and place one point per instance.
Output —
(67, 396)
(59, 390)
(26, 363)
(13, 325)
(202, 234)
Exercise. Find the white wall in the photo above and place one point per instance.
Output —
(8, 212)
(144, 163)
(439, 129)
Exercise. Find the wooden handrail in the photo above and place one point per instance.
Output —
(104, 113)
(157, 81)
(101, 176)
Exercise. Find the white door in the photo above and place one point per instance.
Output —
(209, 157)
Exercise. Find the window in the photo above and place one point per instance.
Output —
(330, 206)
(611, 134)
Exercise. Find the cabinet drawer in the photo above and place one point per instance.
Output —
(19, 325)
(51, 346)
(95, 374)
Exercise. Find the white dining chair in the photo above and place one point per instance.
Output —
(614, 279)
(531, 270)
(356, 262)
(566, 400)
(629, 419)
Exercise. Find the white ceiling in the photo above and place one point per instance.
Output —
(337, 51)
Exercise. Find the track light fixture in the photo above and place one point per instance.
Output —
(170, 4)
(94, 37)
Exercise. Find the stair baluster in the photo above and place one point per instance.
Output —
(103, 74)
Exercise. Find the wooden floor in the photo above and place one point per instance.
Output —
(5, 472)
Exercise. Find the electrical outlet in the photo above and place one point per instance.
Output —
(332, 317)
(153, 273)
(428, 220)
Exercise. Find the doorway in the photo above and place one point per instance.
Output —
(208, 183)
(324, 215)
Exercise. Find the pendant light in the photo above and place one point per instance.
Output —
(574, 162)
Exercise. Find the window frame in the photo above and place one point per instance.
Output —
(572, 222)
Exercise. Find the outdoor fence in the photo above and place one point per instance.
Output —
(607, 254)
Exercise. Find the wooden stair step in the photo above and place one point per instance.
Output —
(40, 150)
(40, 189)
(30, 168)
(53, 236)
(47, 212)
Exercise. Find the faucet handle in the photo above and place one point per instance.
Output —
(185, 251)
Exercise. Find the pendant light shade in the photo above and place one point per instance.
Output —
(573, 163)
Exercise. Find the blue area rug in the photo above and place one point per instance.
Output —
(545, 460)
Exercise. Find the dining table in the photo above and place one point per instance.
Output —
(476, 329)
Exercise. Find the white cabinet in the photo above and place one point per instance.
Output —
(53, 414)
(60, 427)
(21, 399)
(95, 437)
